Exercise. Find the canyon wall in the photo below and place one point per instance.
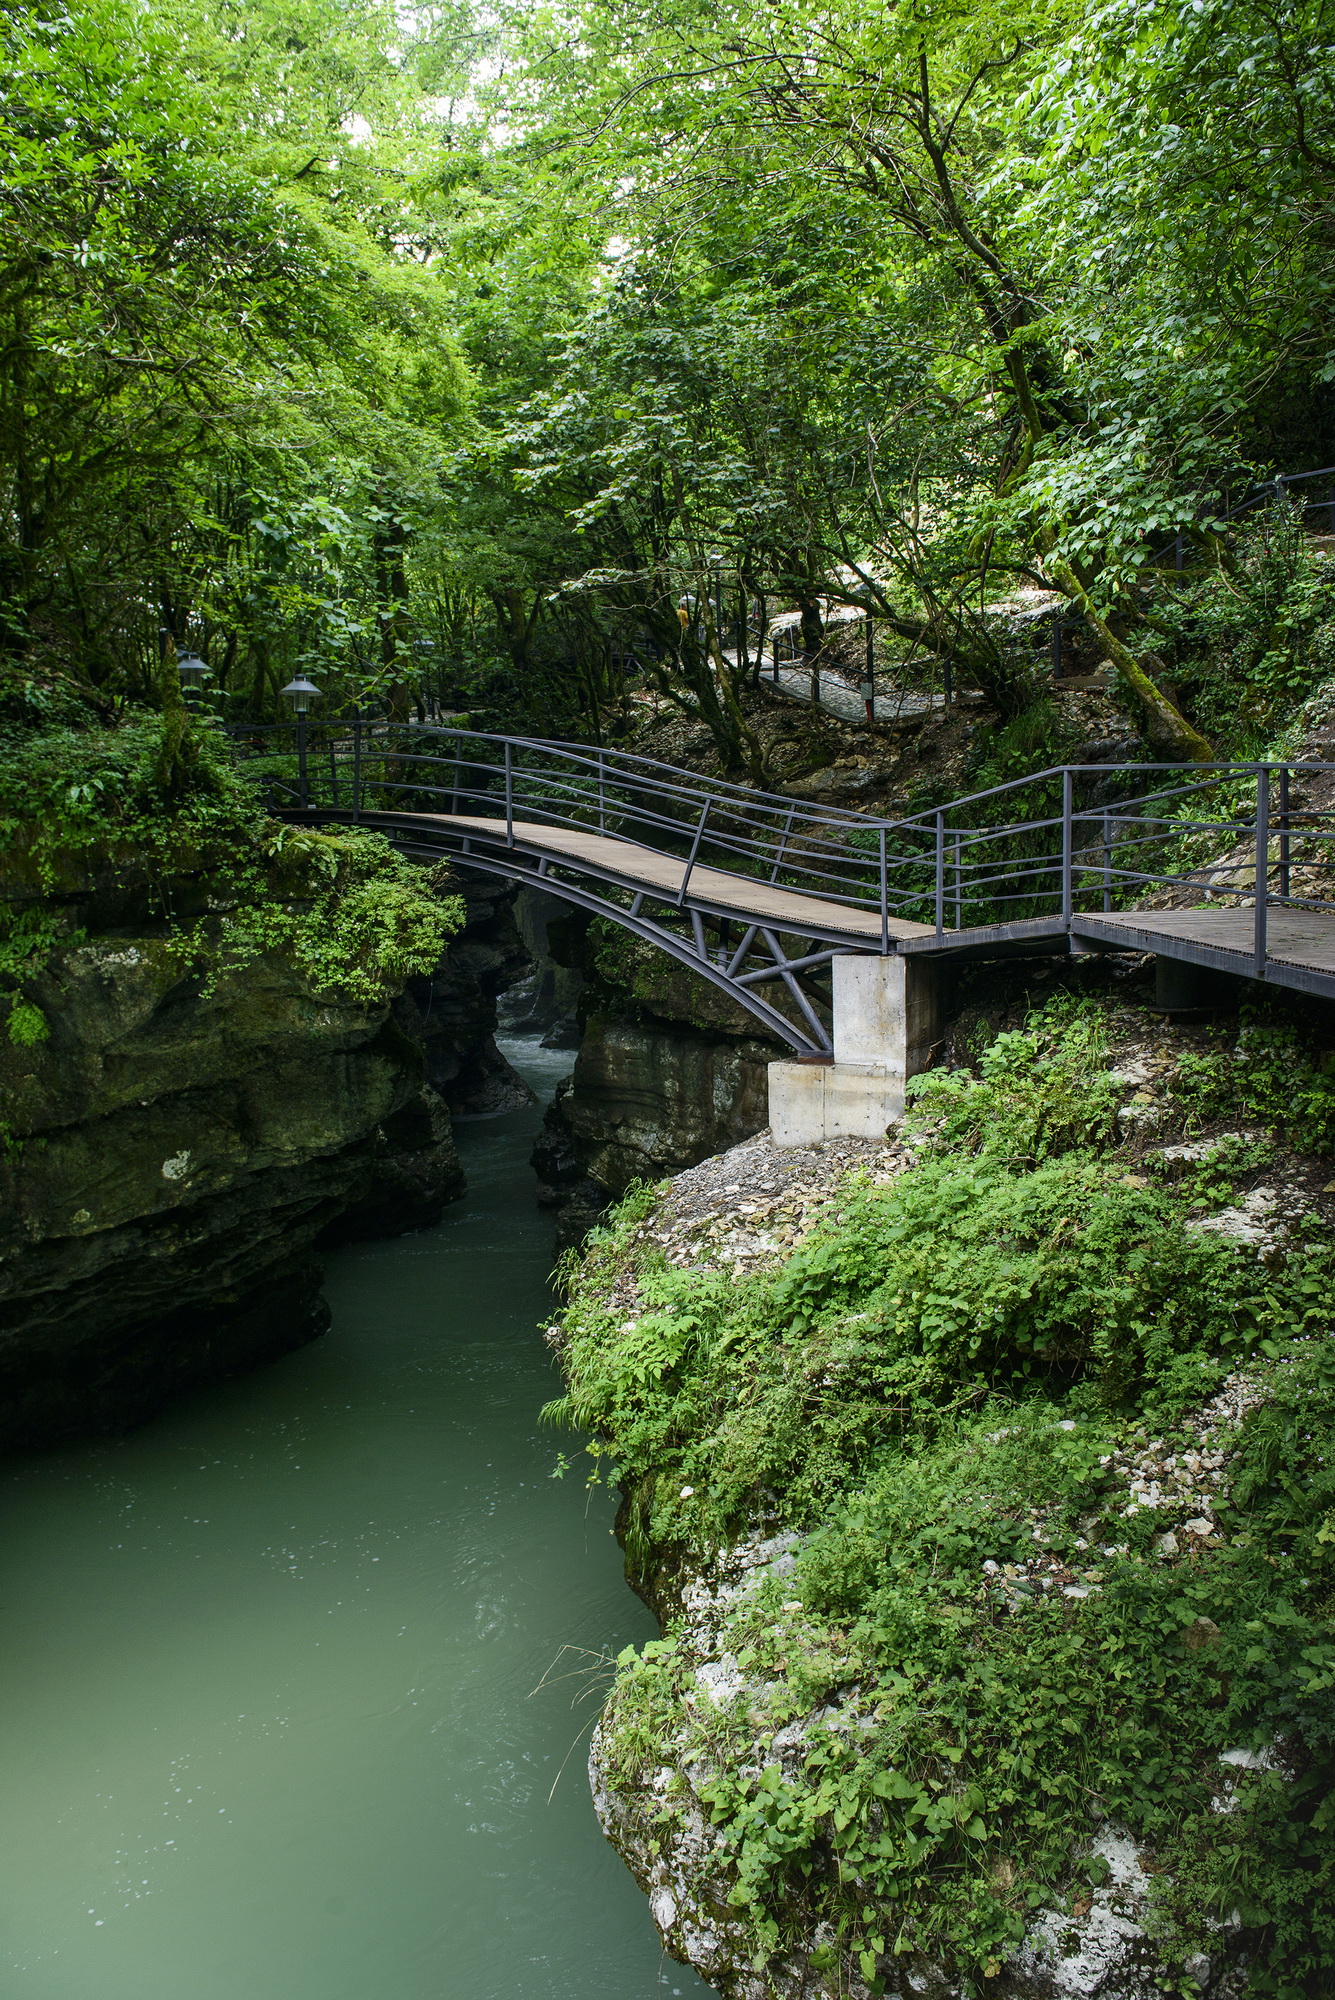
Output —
(174, 1159)
(670, 1070)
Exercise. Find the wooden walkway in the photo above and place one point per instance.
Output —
(639, 868)
(1300, 944)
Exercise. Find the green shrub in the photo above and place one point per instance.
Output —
(86, 809)
(1038, 1090)
(1270, 1072)
(939, 1378)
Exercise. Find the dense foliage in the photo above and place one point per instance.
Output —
(477, 361)
(934, 1387)
(90, 817)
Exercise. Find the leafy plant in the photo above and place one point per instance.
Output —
(931, 1393)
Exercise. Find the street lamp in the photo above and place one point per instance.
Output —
(192, 670)
(301, 693)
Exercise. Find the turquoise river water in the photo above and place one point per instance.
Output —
(268, 1720)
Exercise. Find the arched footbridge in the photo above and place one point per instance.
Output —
(760, 892)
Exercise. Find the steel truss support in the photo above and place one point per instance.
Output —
(721, 967)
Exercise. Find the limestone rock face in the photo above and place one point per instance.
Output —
(544, 1002)
(646, 1099)
(452, 1014)
(170, 1161)
(670, 1070)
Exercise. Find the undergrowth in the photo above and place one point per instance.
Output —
(938, 1379)
(85, 818)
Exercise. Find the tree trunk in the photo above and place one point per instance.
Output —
(1168, 729)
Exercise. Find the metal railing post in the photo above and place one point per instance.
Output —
(695, 849)
(783, 842)
(302, 792)
(940, 872)
(885, 901)
(776, 659)
(1067, 789)
(1284, 850)
(602, 792)
(959, 885)
(357, 769)
(1107, 862)
(509, 799)
(1262, 883)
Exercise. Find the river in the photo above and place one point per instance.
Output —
(268, 1720)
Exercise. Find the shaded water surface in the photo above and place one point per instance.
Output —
(266, 1721)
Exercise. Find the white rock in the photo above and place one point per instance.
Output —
(663, 1904)
(1250, 1760)
(720, 1680)
(1252, 1225)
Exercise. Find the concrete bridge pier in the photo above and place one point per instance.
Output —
(886, 1019)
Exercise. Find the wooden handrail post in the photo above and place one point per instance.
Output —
(1262, 882)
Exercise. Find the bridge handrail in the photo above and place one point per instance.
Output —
(920, 865)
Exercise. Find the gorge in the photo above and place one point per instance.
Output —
(667, 950)
(268, 1659)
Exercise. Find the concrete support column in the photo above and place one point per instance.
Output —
(886, 1018)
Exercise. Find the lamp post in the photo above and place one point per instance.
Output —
(193, 672)
(301, 693)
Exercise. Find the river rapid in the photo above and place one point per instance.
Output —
(268, 1720)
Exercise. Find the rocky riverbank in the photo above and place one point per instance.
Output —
(979, 1480)
(192, 1111)
(669, 1071)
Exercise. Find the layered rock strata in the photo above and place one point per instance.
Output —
(174, 1159)
(669, 1071)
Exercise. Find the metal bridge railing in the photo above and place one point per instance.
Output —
(1105, 840)
(829, 853)
(1072, 840)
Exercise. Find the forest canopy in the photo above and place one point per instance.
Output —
(461, 360)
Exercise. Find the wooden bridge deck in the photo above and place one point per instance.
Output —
(1300, 943)
(1300, 940)
(644, 868)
